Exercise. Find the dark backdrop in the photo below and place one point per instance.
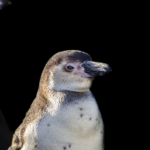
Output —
(32, 31)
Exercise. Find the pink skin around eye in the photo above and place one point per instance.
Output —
(78, 69)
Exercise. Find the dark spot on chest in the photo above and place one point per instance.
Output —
(81, 115)
(64, 148)
(69, 145)
(35, 146)
(81, 109)
(90, 118)
(48, 124)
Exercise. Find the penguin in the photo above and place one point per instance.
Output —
(64, 115)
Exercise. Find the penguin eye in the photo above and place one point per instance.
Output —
(69, 68)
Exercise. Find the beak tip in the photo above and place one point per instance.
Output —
(108, 69)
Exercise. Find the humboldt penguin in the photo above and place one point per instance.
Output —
(64, 114)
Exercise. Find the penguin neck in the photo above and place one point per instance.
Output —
(58, 98)
(72, 96)
(65, 95)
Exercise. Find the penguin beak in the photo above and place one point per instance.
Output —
(95, 68)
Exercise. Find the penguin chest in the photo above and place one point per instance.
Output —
(75, 126)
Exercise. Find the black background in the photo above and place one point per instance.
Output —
(32, 31)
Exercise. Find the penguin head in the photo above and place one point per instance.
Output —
(71, 70)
